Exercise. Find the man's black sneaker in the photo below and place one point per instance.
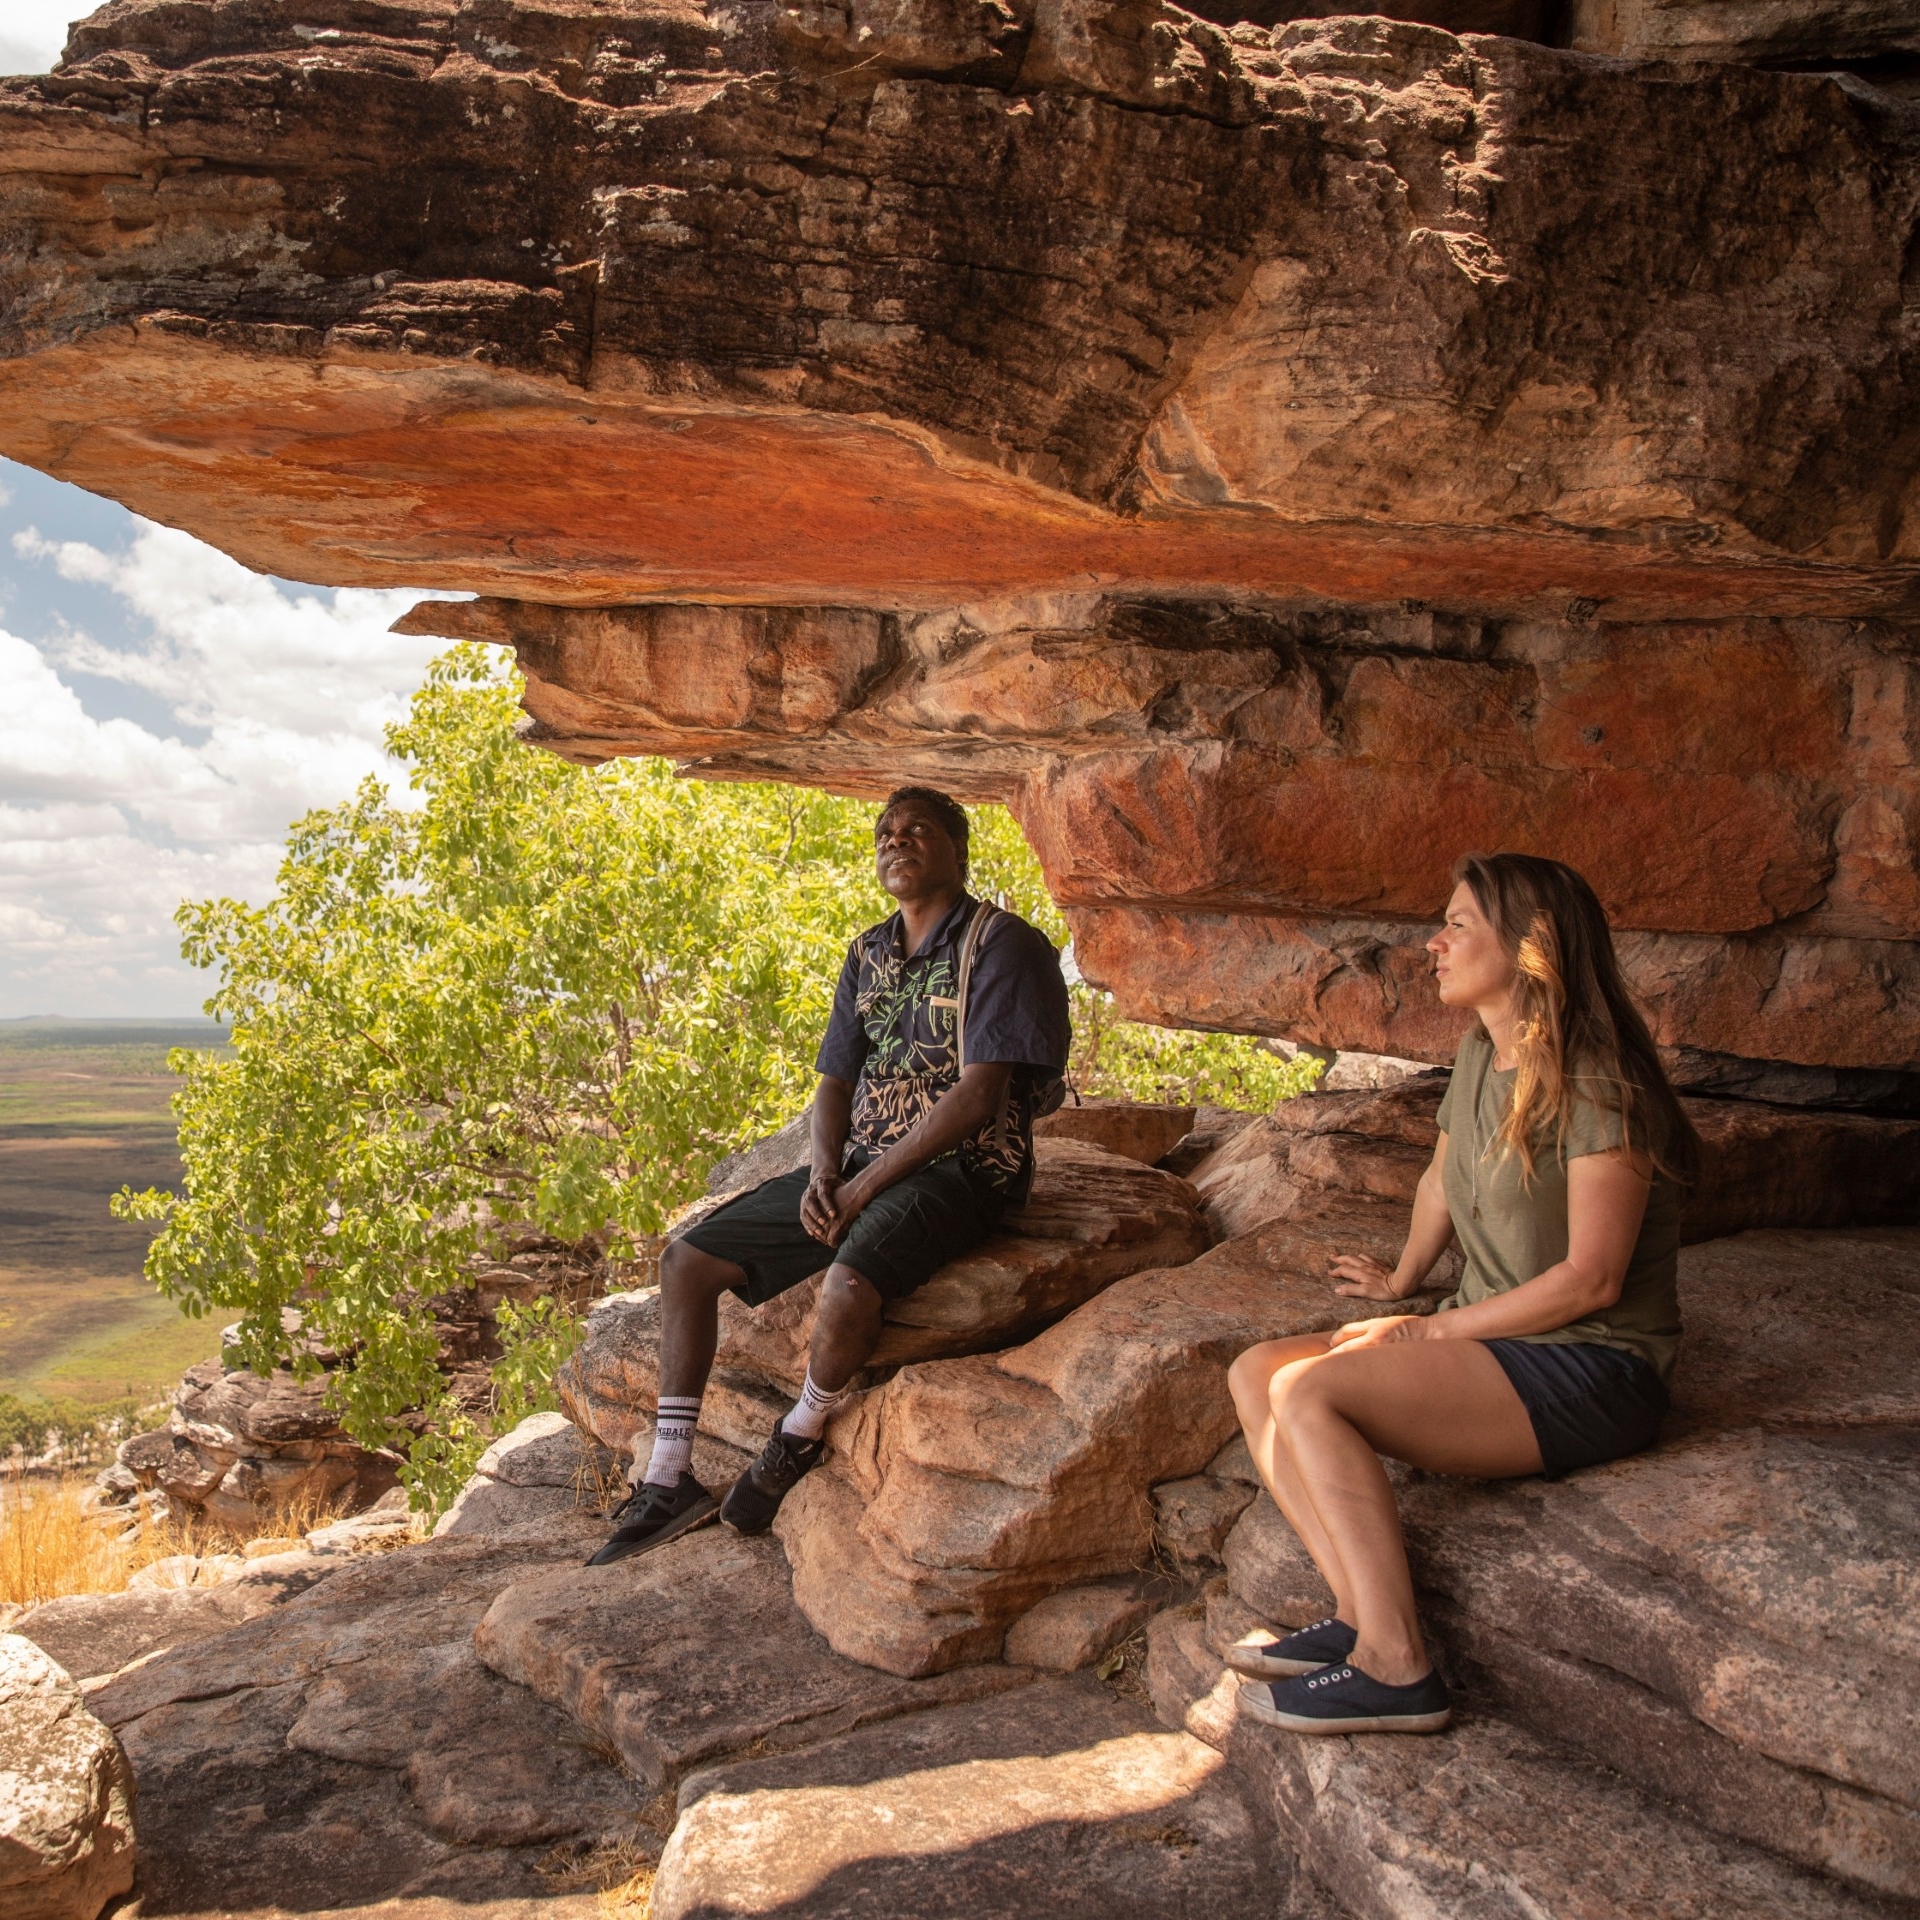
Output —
(755, 1497)
(1345, 1700)
(1307, 1651)
(651, 1516)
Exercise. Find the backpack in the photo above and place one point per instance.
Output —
(1049, 1089)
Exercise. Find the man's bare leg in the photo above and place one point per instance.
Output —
(691, 1283)
(846, 1328)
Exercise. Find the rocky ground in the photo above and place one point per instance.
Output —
(1687, 1676)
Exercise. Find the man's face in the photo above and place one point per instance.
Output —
(914, 854)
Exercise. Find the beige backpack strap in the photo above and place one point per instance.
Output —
(976, 928)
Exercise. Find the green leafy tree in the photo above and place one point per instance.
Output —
(541, 997)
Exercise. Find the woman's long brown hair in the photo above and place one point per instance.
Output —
(1576, 1033)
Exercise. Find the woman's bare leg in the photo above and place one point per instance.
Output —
(1250, 1380)
(1443, 1405)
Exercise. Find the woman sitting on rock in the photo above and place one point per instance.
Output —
(1561, 1153)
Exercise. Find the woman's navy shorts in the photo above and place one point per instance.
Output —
(1588, 1403)
(897, 1242)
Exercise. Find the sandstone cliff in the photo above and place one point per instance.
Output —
(1270, 455)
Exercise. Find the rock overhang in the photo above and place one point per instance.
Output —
(1269, 460)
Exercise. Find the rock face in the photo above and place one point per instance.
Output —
(483, 1726)
(1270, 455)
(961, 1492)
(1060, 1801)
(66, 1795)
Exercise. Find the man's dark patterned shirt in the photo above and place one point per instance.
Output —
(892, 1035)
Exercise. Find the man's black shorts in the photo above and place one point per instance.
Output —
(898, 1242)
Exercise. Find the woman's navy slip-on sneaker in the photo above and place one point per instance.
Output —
(1345, 1700)
(1307, 1651)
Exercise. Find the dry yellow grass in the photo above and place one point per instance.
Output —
(50, 1546)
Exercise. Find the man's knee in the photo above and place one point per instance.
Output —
(688, 1273)
(848, 1298)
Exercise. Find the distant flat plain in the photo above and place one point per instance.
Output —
(83, 1112)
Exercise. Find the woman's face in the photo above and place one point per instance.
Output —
(1469, 962)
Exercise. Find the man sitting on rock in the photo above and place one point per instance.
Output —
(949, 1032)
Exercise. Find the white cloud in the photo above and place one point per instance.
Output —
(34, 31)
(261, 702)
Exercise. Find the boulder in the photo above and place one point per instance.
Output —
(544, 1466)
(646, 1656)
(93, 1635)
(1486, 1821)
(1091, 1218)
(1059, 1800)
(238, 1448)
(961, 1492)
(1071, 1630)
(350, 1751)
(1192, 1517)
(1134, 1129)
(1192, 1689)
(66, 1795)
(780, 1152)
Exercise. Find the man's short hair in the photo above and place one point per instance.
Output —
(944, 808)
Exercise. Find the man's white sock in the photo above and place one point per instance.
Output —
(672, 1439)
(808, 1420)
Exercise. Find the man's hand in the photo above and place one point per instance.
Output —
(1383, 1332)
(818, 1206)
(1366, 1278)
(837, 1209)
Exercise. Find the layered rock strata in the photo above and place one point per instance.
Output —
(1270, 456)
(439, 1724)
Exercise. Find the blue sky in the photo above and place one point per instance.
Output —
(166, 714)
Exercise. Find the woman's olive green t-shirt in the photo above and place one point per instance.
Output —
(1510, 1231)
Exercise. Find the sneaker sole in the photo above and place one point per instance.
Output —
(1270, 1667)
(752, 1530)
(696, 1516)
(1257, 1707)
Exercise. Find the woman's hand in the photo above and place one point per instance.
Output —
(1366, 1278)
(1378, 1333)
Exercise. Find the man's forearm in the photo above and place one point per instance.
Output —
(832, 1116)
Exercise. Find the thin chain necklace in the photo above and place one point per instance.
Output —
(1480, 1150)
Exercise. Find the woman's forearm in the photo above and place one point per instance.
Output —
(1427, 1238)
(1550, 1300)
